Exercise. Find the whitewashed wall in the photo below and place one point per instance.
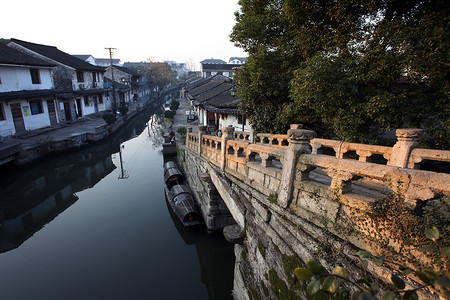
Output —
(233, 121)
(31, 122)
(19, 78)
(7, 126)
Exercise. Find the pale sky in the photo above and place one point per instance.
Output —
(177, 30)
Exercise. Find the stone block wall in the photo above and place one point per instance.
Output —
(214, 211)
(297, 206)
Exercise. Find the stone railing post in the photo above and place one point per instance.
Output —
(407, 139)
(252, 136)
(189, 130)
(227, 134)
(201, 131)
(299, 143)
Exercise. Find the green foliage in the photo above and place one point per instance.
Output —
(362, 67)
(324, 285)
(273, 198)
(392, 218)
(169, 114)
(182, 130)
(261, 249)
(123, 110)
(174, 105)
(109, 118)
(279, 287)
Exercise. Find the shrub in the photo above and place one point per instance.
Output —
(123, 110)
(109, 118)
(169, 114)
(174, 105)
(182, 130)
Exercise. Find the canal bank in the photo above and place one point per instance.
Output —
(39, 144)
(94, 224)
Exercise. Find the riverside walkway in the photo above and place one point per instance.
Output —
(62, 137)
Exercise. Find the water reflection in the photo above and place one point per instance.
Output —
(215, 255)
(70, 229)
(48, 188)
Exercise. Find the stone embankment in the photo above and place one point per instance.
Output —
(296, 197)
(38, 144)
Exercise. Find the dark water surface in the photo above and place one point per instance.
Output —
(86, 226)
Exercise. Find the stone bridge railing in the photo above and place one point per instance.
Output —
(297, 189)
(277, 164)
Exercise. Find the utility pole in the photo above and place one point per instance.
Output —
(112, 78)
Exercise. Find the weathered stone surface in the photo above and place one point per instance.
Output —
(234, 234)
(302, 211)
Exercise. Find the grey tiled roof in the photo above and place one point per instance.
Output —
(11, 56)
(126, 70)
(59, 56)
(220, 67)
(26, 94)
(213, 61)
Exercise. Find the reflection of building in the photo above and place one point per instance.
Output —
(26, 209)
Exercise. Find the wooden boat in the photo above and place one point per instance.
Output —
(179, 195)
(169, 148)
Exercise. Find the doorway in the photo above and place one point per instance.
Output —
(52, 111)
(67, 111)
(16, 111)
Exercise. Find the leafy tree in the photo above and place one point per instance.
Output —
(361, 66)
(159, 75)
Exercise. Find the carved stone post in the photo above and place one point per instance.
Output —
(227, 134)
(201, 131)
(265, 161)
(189, 130)
(252, 136)
(407, 139)
(299, 143)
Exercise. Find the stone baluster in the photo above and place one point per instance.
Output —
(299, 143)
(265, 161)
(201, 132)
(252, 136)
(363, 155)
(407, 139)
(340, 180)
(227, 134)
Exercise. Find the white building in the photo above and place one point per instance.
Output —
(26, 92)
(79, 84)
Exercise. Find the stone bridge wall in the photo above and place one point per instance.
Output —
(295, 204)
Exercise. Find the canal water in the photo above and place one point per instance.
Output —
(94, 224)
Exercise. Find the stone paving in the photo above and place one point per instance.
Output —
(180, 118)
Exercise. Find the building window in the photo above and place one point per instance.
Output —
(80, 76)
(86, 101)
(240, 119)
(94, 76)
(100, 99)
(36, 107)
(2, 114)
(35, 77)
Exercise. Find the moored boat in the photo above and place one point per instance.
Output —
(179, 195)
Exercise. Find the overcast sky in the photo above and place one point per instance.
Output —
(177, 30)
